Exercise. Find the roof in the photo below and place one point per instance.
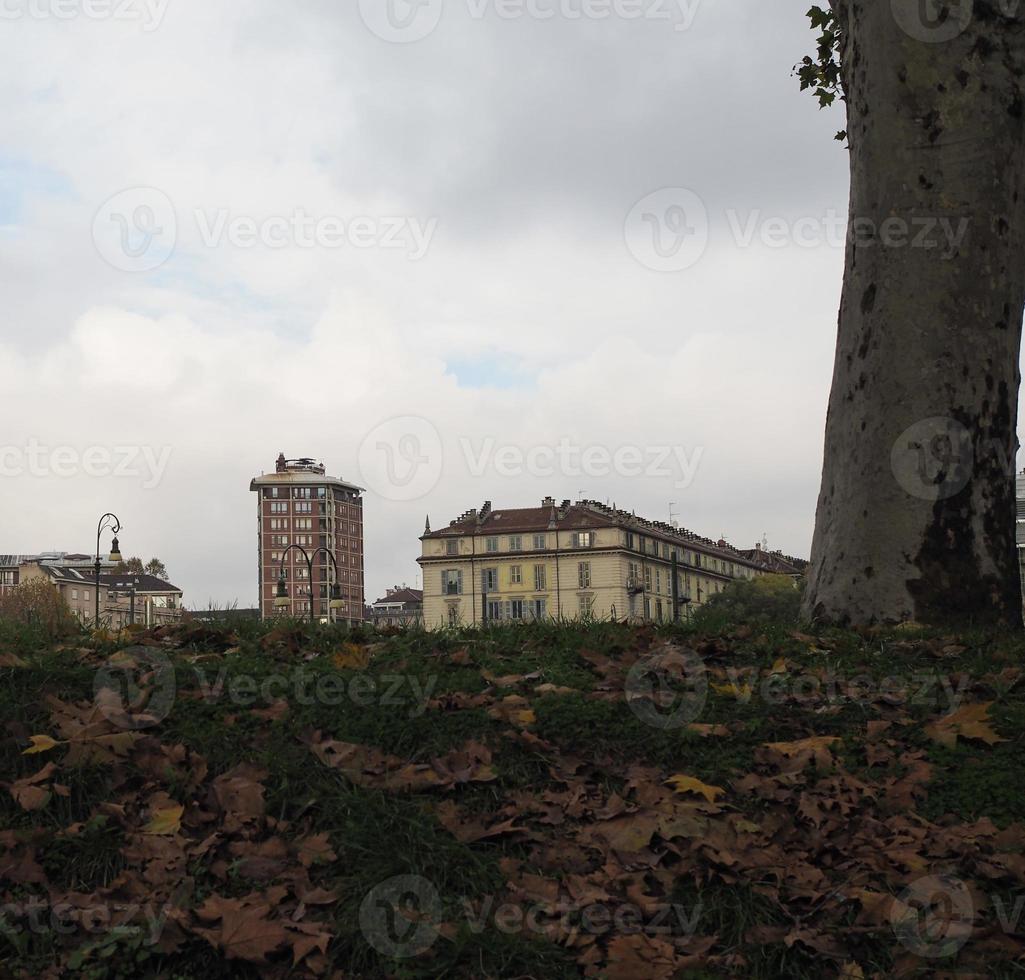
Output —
(582, 515)
(142, 583)
(302, 472)
(117, 582)
(776, 561)
(404, 596)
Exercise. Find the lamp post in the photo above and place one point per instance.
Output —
(106, 521)
(281, 600)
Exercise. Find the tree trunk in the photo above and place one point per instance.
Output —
(916, 515)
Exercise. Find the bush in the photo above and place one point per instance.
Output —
(758, 601)
(40, 607)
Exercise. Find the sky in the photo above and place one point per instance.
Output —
(458, 250)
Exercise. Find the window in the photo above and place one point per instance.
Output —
(584, 574)
(304, 508)
(453, 615)
(586, 606)
(494, 609)
(516, 609)
(583, 539)
(491, 545)
(74, 593)
(540, 542)
(540, 578)
(515, 542)
(489, 580)
(452, 582)
(658, 610)
(515, 574)
(538, 608)
(658, 580)
(270, 491)
(633, 572)
(304, 523)
(279, 507)
(629, 539)
(302, 493)
(281, 540)
(451, 547)
(647, 608)
(647, 579)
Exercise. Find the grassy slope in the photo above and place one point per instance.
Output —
(583, 737)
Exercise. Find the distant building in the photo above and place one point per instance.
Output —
(572, 561)
(299, 504)
(124, 599)
(401, 606)
(775, 562)
(10, 565)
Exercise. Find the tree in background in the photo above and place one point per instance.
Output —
(916, 514)
(38, 604)
(154, 567)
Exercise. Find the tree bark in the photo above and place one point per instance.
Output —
(916, 514)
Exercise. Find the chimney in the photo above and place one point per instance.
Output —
(548, 502)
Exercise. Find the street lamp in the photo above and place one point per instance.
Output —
(111, 522)
(281, 598)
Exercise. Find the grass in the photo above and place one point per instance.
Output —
(223, 674)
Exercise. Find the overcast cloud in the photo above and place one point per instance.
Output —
(335, 230)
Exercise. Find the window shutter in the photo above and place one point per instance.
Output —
(459, 579)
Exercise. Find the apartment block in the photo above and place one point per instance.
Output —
(300, 507)
(400, 606)
(124, 598)
(573, 561)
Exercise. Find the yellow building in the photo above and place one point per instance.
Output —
(570, 561)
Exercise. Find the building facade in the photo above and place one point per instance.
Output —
(299, 504)
(124, 599)
(401, 606)
(572, 561)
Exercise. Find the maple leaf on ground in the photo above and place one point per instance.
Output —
(638, 955)
(239, 792)
(509, 680)
(515, 710)
(29, 794)
(688, 784)
(972, 721)
(165, 821)
(366, 766)
(705, 731)
(315, 849)
(40, 743)
(794, 756)
(245, 932)
(351, 657)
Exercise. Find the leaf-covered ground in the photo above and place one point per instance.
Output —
(544, 801)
